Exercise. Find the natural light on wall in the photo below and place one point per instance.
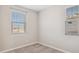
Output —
(18, 18)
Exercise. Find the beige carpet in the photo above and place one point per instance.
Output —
(36, 48)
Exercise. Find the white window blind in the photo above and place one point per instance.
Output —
(18, 22)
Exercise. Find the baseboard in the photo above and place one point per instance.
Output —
(64, 51)
(17, 47)
(35, 43)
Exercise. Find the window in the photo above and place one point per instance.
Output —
(18, 21)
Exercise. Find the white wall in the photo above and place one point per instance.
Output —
(11, 40)
(52, 29)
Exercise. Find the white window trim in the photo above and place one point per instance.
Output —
(11, 9)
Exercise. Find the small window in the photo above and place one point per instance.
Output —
(18, 18)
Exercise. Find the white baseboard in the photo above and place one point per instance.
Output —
(35, 43)
(17, 47)
(64, 51)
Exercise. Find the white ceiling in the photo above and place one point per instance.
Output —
(36, 7)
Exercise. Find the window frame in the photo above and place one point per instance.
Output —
(24, 23)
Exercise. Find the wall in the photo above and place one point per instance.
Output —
(0, 31)
(52, 29)
(11, 40)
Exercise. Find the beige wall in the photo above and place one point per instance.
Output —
(52, 29)
(0, 31)
(10, 40)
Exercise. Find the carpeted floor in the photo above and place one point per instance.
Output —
(36, 48)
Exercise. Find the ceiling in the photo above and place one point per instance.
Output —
(36, 7)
